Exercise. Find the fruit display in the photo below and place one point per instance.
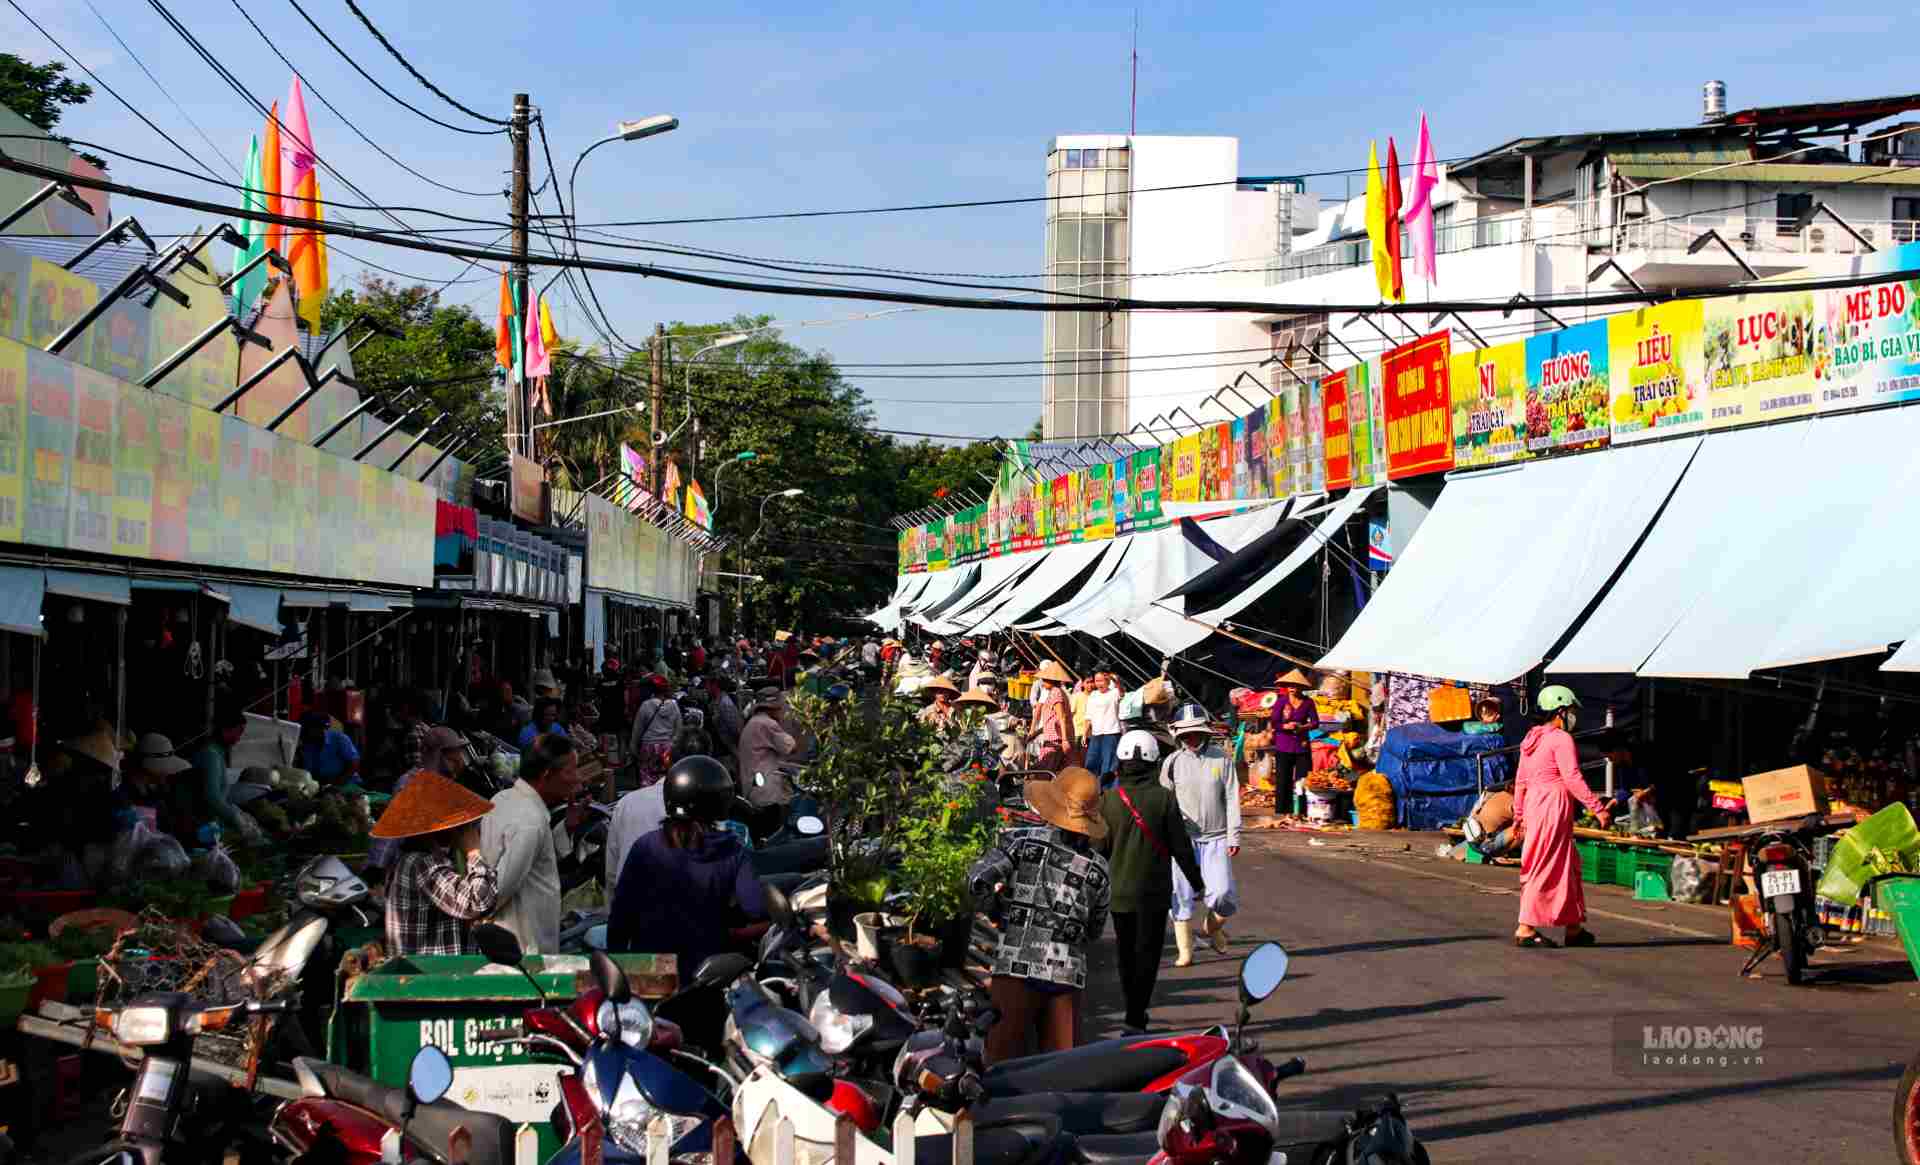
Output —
(1329, 784)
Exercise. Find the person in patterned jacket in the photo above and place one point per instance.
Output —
(1054, 891)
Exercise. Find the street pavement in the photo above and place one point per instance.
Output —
(1404, 979)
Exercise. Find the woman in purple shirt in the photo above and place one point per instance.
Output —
(1293, 717)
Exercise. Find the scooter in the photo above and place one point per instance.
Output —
(1226, 1113)
(304, 952)
(1781, 860)
(344, 1118)
(169, 1114)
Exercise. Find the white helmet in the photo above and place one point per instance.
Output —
(1190, 716)
(1137, 745)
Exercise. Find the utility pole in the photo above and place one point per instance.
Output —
(518, 418)
(656, 378)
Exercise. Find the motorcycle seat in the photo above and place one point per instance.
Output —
(430, 1125)
(1081, 1112)
(1107, 1066)
(1113, 1149)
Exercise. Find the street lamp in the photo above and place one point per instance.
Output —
(744, 455)
(740, 596)
(626, 131)
(730, 340)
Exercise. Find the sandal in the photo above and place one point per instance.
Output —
(1583, 939)
(1534, 941)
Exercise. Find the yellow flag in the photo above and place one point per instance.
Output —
(1377, 225)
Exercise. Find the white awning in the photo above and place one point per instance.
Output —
(1905, 659)
(1159, 562)
(1164, 624)
(1114, 555)
(940, 584)
(1217, 506)
(1236, 531)
(996, 583)
(1056, 569)
(910, 586)
(1506, 561)
(965, 578)
(1725, 499)
(1782, 590)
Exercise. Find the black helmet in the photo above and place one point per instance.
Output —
(699, 788)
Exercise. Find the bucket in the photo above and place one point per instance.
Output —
(1320, 807)
(866, 935)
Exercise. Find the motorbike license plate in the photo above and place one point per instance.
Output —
(1775, 882)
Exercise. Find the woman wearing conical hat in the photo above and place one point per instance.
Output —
(440, 886)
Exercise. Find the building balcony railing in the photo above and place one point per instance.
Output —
(1765, 234)
(1551, 224)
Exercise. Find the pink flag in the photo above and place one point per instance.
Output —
(296, 140)
(1419, 210)
(539, 363)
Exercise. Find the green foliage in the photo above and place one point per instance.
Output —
(38, 93)
(83, 942)
(18, 959)
(437, 342)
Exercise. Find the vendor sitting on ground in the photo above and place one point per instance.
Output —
(441, 885)
(327, 752)
(1489, 827)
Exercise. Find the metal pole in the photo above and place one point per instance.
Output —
(657, 370)
(387, 432)
(418, 440)
(354, 414)
(518, 416)
(312, 390)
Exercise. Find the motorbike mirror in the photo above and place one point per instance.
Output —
(610, 977)
(810, 826)
(498, 944)
(1261, 972)
(429, 1076)
(779, 908)
(721, 970)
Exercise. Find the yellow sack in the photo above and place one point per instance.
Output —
(1373, 801)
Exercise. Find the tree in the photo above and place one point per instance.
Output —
(427, 343)
(38, 93)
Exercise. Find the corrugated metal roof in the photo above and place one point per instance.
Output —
(106, 266)
(1778, 172)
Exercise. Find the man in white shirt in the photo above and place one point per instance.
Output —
(524, 847)
(870, 652)
(1103, 726)
(634, 816)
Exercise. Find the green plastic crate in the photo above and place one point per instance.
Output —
(1900, 894)
(1474, 856)
(1652, 861)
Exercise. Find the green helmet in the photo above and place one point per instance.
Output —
(1554, 697)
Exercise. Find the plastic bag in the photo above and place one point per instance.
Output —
(1157, 691)
(142, 852)
(1373, 801)
(1133, 705)
(218, 870)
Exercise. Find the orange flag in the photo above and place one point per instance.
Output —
(503, 334)
(270, 180)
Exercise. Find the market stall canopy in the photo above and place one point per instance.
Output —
(1041, 622)
(965, 578)
(22, 590)
(986, 597)
(1170, 627)
(255, 607)
(1200, 509)
(1160, 562)
(1507, 560)
(1058, 568)
(1746, 569)
(85, 584)
(1238, 530)
(910, 588)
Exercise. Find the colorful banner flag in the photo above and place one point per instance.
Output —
(1379, 546)
(300, 197)
(1659, 375)
(1148, 489)
(1419, 407)
(248, 287)
(1419, 213)
(1338, 428)
(1314, 416)
(697, 511)
(1186, 468)
(1568, 388)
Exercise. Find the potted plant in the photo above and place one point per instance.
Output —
(946, 834)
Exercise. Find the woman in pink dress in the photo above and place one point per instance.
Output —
(1546, 789)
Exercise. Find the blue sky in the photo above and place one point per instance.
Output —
(791, 107)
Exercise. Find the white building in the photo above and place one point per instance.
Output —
(1566, 214)
(1114, 230)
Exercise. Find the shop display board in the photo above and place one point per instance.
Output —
(90, 462)
(1419, 407)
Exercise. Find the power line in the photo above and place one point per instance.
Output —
(135, 57)
(345, 56)
(417, 75)
(164, 135)
(378, 148)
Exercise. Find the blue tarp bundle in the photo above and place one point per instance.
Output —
(1432, 771)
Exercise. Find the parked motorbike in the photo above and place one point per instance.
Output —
(345, 1118)
(1226, 1113)
(306, 951)
(169, 1114)
(1780, 857)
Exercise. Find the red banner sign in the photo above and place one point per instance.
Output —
(1339, 430)
(1419, 407)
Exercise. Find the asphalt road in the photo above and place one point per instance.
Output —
(1404, 978)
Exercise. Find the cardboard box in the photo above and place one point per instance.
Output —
(1784, 793)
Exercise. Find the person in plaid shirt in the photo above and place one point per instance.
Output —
(440, 886)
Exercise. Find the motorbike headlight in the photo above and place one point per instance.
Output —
(630, 1116)
(631, 1020)
(1237, 1091)
(141, 1026)
(838, 1031)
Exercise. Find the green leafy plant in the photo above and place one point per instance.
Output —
(83, 942)
(24, 958)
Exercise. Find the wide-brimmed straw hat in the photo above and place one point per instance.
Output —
(938, 684)
(98, 744)
(1053, 670)
(543, 684)
(977, 698)
(1071, 801)
(429, 804)
(1293, 679)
